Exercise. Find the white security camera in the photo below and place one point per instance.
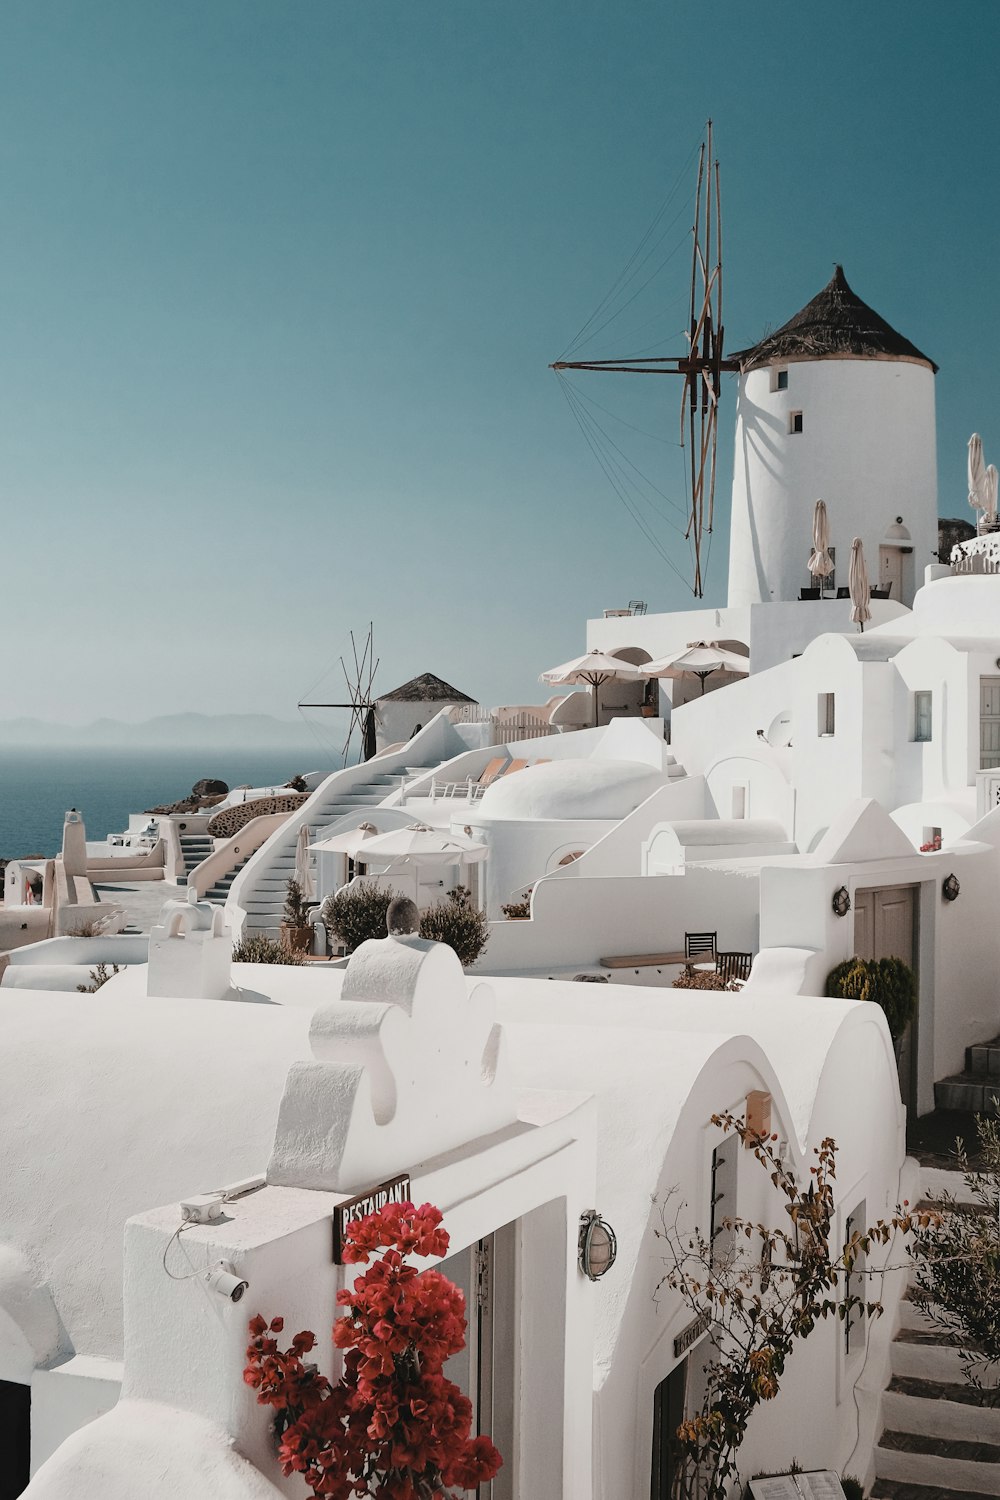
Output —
(223, 1280)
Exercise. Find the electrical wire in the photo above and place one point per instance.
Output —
(192, 1275)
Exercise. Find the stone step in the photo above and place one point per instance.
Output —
(891, 1489)
(951, 1463)
(939, 1408)
(983, 1060)
(914, 1358)
(969, 1092)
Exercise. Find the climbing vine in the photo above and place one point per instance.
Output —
(759, 1297)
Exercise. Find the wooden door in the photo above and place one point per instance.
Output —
(668, 1414)
(989, 722)
(890, 571)
(885, 926)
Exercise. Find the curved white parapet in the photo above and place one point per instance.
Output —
(30, 1331)
(408, 1064)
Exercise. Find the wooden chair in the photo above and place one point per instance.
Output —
(733, 966)
(699, 945)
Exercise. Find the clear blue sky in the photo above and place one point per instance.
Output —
(280, 281)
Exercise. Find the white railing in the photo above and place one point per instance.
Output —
(503, 729)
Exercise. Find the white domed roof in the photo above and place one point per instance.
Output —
(571, 789)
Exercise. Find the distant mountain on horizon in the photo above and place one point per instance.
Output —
(188, 731)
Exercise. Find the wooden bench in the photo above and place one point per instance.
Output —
(643, 960)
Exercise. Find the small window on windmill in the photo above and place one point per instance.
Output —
(780, 380)
(795, 421)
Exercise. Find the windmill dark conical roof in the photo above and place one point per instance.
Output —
(425, 689)
(836, 324)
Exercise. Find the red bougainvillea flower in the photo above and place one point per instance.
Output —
(394, 1427)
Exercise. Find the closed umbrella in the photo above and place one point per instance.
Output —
(423, 845)
(698, 660)
(977, 473)
(593, 669)
(859, 586)
(820, 562)
(991, 485)
(303, 863)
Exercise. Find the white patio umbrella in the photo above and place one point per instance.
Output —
(991, 486)
(303, 863)
(698, 660)
(425, 845)
(593, 669)
(977, 473)
(820, 562)
(350, 843)
(859, 585)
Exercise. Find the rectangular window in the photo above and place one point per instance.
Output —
(725, 1162)
(795, 421)
(922, 723)
(856, 1283)
(827, 714)
(779, 380)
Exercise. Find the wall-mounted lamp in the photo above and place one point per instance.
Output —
(841, 902)
(950, 888)
(597, 1244)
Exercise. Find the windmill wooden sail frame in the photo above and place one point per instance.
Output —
(703, 365)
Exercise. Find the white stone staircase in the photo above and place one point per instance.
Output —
(938, 1439)
(263, 898)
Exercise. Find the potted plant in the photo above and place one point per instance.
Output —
(888, 982)
(518, 911)
(296, 929)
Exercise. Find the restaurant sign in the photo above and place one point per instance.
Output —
(396, 1190)
(691, 1334)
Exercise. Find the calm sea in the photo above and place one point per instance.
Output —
(37, 787)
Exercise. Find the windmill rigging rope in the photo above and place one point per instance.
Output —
(609, 471)
(617, 284)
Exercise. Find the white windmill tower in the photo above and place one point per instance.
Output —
(834, 405)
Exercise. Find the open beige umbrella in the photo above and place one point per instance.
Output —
(421, 844)
(820, 562)
(698, 660)
(593, 668)
(859, 585)
(351, 843)
(977, 473)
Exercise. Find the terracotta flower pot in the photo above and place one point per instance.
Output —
(296, 939)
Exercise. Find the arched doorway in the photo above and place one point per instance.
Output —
(630, 700)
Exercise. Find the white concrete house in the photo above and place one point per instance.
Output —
(516, 1107)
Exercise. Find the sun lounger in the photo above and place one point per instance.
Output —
(470, 788)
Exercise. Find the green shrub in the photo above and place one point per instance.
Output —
(357, 913)
(296, 912)
(458, 923)
(98, 976)
(260, 949)
(887, 982)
